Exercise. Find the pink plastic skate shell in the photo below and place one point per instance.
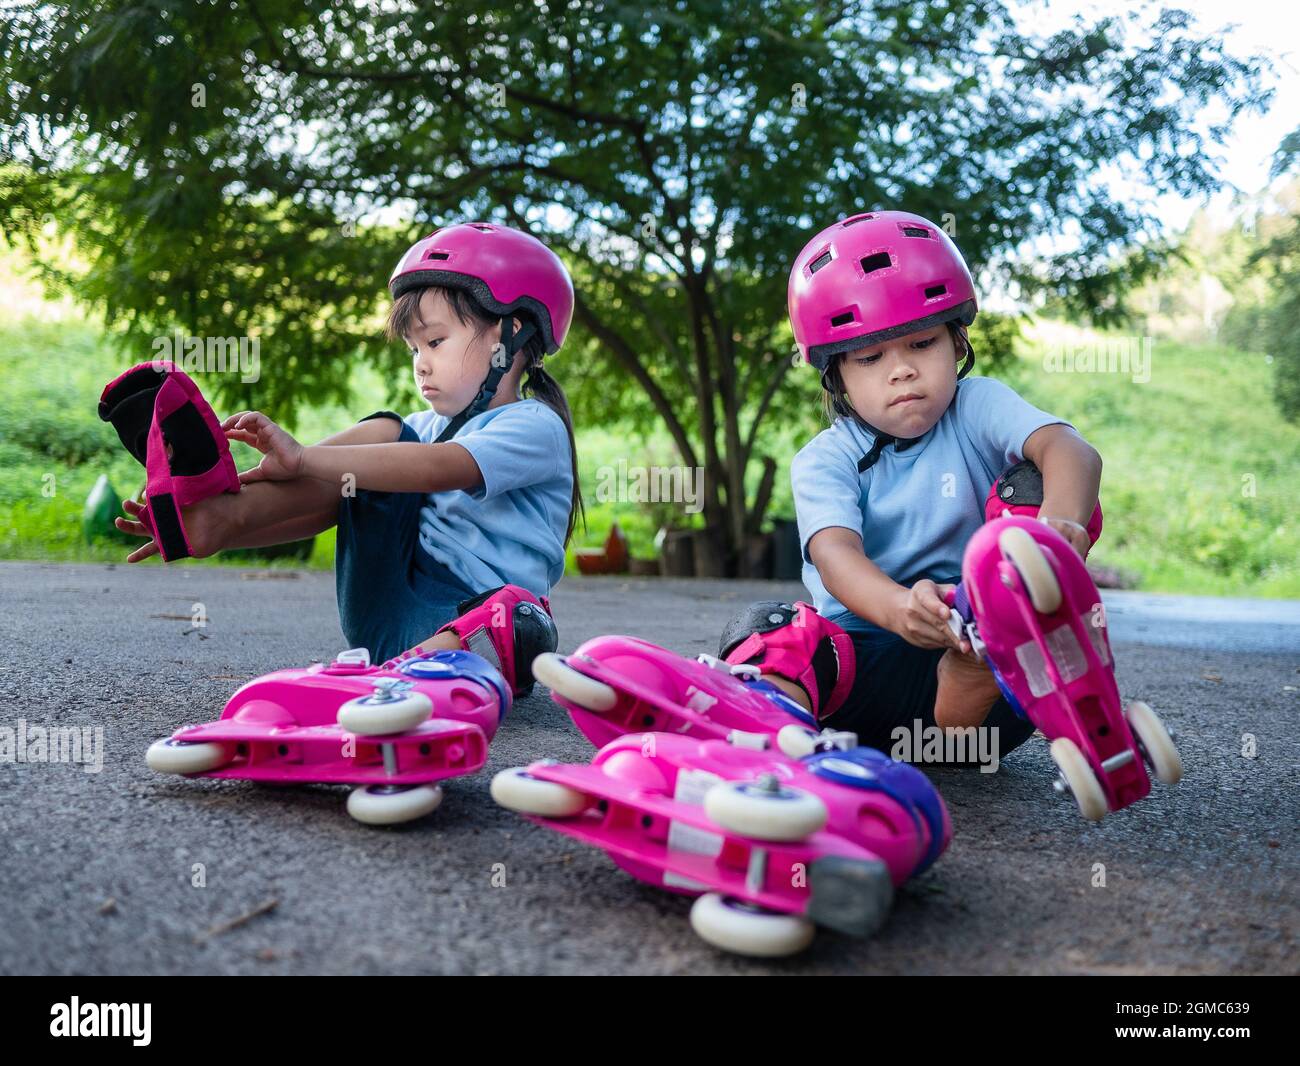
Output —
(634, 786)
(1086, 709)
(660, 690)
(284, 727)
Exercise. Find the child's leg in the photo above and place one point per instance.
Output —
(270, 512)
(966, 691)
(265, 512)
(879, 684)
(897, 688)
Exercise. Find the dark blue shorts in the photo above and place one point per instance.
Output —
(392, 593)
(895, 685)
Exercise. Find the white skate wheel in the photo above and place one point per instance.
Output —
(517, 790)
(366, 716)
(172, 756)
(393, 804)
(562, 679)
(796, 741)
(747, 930)
(750, 809)
(1079, 776)
(1023, 552)
(1156, 742)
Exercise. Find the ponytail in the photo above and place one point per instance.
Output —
(538, 383)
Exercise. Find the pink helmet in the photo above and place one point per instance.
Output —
(869, 278)
(505, 269)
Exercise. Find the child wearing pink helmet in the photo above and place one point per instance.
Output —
(889, 494)
(452, 521)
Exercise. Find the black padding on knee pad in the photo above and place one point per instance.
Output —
(1021, 486)
(129, 408)
(534, 633)
(193, 449)
(764, 616)
(167, 524)
(826, 669)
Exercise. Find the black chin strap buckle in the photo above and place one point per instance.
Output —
(883, 441)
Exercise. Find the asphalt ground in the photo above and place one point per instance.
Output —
(97, 870)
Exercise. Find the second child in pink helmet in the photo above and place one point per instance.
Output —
(889, 494)
(452, 521)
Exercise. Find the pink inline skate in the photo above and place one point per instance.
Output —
(1029, 608)
(615, 685)
(771, 846)
(393, 733)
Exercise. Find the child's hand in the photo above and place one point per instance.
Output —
(921, 617)
(282, 456)
(1076, 534)
(135, 527)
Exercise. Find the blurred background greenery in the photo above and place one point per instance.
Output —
(1199, 487)
(254, 171)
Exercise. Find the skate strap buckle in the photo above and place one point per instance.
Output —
(836, 740)
(740, 670)
(354, 657)
(967, 631)
(754, 741)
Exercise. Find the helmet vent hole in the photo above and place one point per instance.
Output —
(915, 231)
(855, 221)
(438, 255)
(879, 261)
(819, 262)
(935, 290)
(480, 226)
(842, 320)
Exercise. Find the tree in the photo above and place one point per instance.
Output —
(1266, 315)
(678, 154)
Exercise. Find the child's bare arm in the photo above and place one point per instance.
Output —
(918, 614)
(1071, 470)
(391, 466)
(397, 467)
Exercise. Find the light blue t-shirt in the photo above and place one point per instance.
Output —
(917, 508)
(511, 530)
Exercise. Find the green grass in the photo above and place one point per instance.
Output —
(1184, 452)
(1201, 471)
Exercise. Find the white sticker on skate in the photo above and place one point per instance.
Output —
(691, 787)
(1096, 634)
(699, 701)
(1066, 654)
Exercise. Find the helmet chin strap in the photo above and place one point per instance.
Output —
(511, 343)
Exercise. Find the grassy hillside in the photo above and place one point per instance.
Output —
(1201, 472)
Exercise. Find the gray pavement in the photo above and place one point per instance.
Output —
(97, 870)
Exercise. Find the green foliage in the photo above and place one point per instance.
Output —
(678, 154)
(1200, 470)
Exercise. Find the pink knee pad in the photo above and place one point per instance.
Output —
(794, 642)
(1019, 490)
(154, 405)
(509, 627)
